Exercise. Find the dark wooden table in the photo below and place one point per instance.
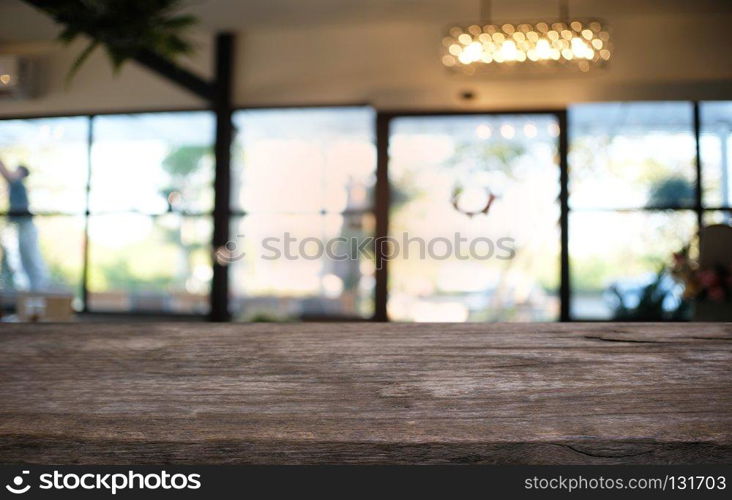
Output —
(366, 393)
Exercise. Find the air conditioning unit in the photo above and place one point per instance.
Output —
(17, 77)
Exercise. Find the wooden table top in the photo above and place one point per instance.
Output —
(366, 393)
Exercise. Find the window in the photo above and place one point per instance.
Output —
(122, 210)
(44, 252)
(632, 200)
(440, 167)
(307, 174)
(716, 157)
(150, 209)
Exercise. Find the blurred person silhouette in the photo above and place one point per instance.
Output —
(20, 216)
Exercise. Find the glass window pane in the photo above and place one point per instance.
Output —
(142, 263)
(622, 251)
(717, 217)
(304, 160)
(441, 170)
(42, 254)
(716, 152)
(154, 162)
(632, 155)
(55, 152)
(302, 266)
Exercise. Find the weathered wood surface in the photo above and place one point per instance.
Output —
(366, 393)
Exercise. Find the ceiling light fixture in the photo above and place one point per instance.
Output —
(582, 44)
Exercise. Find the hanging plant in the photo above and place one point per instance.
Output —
(124, 28)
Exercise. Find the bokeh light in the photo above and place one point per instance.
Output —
(580, 44)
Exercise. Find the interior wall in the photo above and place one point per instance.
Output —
(394, 65)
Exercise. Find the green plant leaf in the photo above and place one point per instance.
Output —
(177, 22)
(123, 27)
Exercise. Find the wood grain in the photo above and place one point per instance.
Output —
(366, 393)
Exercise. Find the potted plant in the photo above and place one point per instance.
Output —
(708, 287)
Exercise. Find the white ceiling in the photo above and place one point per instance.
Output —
(20, 22)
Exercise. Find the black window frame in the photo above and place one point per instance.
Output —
(383, 189)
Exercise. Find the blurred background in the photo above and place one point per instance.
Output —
(613, 182)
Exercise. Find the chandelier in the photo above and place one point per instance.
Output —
(582, 44)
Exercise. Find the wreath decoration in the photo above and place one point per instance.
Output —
(455, 201)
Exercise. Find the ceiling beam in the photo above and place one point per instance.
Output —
(176, 74)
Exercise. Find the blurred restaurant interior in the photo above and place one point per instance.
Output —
(594, 135)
